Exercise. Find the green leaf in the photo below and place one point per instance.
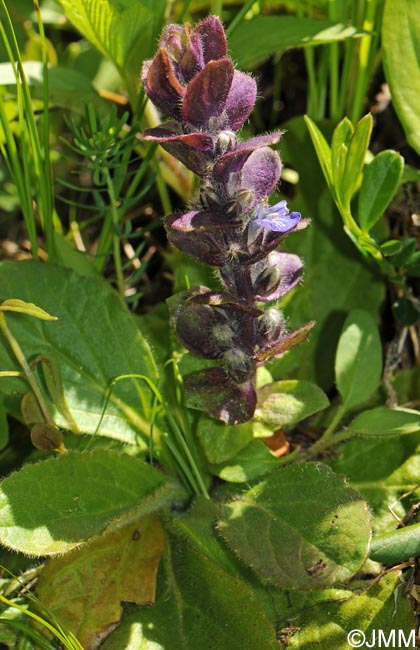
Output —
(220, 441)
(323, 151)
(255, 40)
(401, 55)
(358, 363)
(323, 620)
(197, 526)
(52, 506)
(384, 421)
(124, 32)
(380, 182)
(250, 462)
(94, 341)
(336, 278)
(200, 605)
(396, 547)
(54, 382)
(383, 470)
(285, 403)
(339, 147)
(27, 308)
(355, 160)
(305, 507)
(118, 567)
(66, 87)
(391, 247)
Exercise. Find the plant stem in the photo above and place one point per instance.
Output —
(239, 17)
(115, 238)
(328, 435)
(334, 65)
(17, 351)
(216, 7)
(364, 60)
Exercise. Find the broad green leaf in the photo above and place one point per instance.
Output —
(336, 278)
(200, 605)
(339, 147)
(197, 526)
(27, 308)
(285, 403)
(220, 441)
(384, 421)
(383, 471)
(123, 31)
(85, 589)
(69, 256)
(52, 506)
(355, 160)
(250, 462)
(396, 547)
(94, 341)
(380, 182)
(325, 623)
(255, 40)
(301, 528)
(323, 151)
(401, 54)
(358, 362)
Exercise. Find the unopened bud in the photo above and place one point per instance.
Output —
(238, 364)
(271, 322)
(222, 334)
(226, 140)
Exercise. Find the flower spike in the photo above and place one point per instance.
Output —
(230, 225)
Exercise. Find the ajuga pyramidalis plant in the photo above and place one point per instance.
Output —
(230, 225)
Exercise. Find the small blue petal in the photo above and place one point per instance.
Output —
(276, 218)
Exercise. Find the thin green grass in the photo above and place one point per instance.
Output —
(25, 151)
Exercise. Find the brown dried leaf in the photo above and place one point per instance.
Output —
(85, 588)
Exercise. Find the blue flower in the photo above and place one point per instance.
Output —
(276, 218)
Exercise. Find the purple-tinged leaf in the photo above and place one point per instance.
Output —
(234, 160)
(171, 132)
(211, 390)
(285, 343)
(193, 59)
(240, 100)
(206, 94)
(161, 84)
(213, 38)
(173, 40)
(194, 150)
(210, 324)
(203, 235)
(261, 172)
(276, 276)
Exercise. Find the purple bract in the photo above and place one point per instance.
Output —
(230, 225)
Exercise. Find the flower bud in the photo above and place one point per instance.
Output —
(238, 364)
(271, 323)
(226, 140)
(222, 334)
